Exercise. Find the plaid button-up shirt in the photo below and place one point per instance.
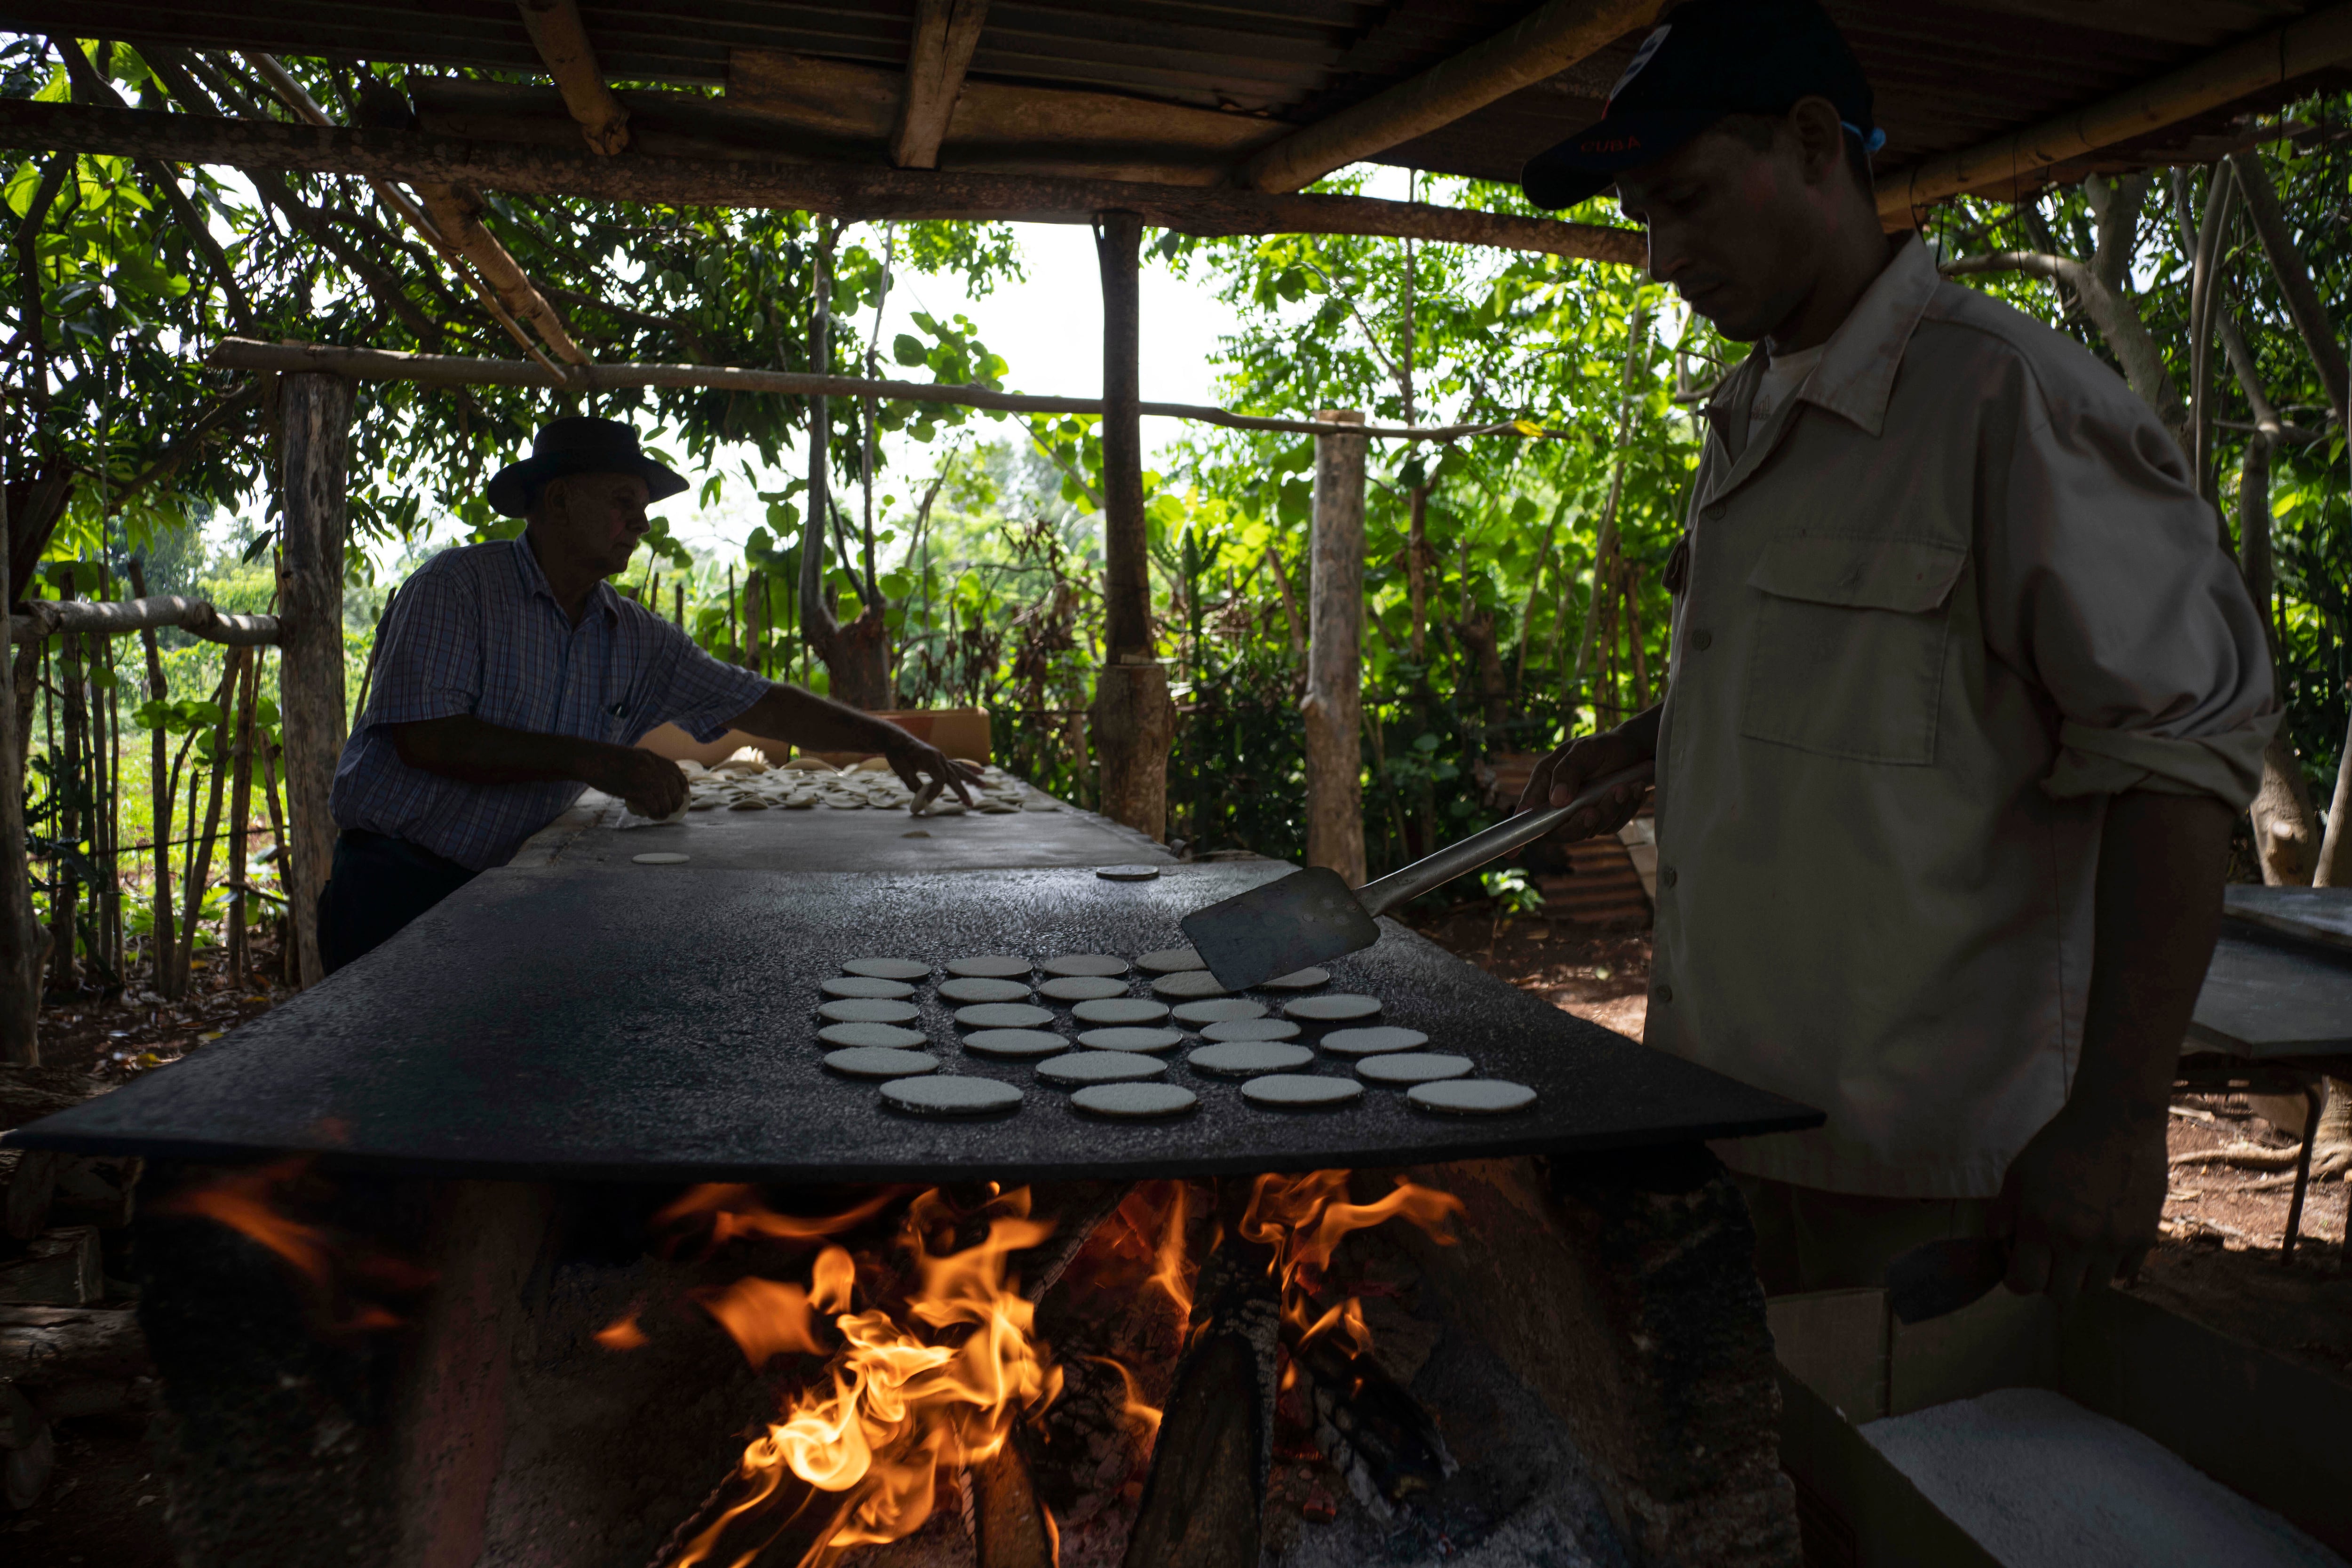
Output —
(477, 630)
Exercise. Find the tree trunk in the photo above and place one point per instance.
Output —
(159, 797)
(1333, 705)
(239, 955)
(315, 413)
(2303, 303)
(2336, 848)
(1134, 721)
(1416, 569)
(65, 781)
(20, 938)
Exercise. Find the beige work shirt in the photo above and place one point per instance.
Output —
(1953, 595)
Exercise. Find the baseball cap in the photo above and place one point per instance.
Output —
(1708, 58)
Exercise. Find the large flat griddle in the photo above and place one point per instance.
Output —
(594, 1018)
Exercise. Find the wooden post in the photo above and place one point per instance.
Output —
(1334, 704)
(316, 412)
(20, 937)
(1134, 721)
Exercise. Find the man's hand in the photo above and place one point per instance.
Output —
(650, 783)
(1560, 777)
(2081, 1202)
(912, 760)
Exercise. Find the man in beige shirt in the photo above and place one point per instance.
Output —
(1964, 697)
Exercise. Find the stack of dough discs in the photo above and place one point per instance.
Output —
(866, 985)
(1187, 983)
(1297, 980)
(977, 990)
(1016, 1042)
(1135, 1100)
(876, 1061)
(1170, 960)
(1093, 963)
(889, 1035)
(1373, 1041)
(1083, 987)
(1331, 1009)
(866, 1010)
(1120, 1010)
(937, 1096)
(1130, 1039)
(1472, 1096)
(1101, 1067)
(1298, 1092)
(1246, 1058)
(1220, 1010)
(1005, 1016)
(1413, 1066)
(1234, 1031)
(886, 968)
(991, 966)
(659, 857)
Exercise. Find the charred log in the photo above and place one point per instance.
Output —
(1376, 1434)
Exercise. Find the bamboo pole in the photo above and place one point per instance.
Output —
(1333, 705)
(20, 945)
(2309, 42)
(159, 940)
(47, 617)
(239, 954)
(561, 40)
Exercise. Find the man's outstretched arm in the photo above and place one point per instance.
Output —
(474, 751)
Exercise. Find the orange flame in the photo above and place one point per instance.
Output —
(1305, 1219)
(1145, 1415)
(899, 1405)
(621, 1335)
(735, 1209)
(250, 1202)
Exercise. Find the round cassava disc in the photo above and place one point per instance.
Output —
(1120, 1010)
(1243, 1059)
(1018, 1044)
(867, 1010)
(991, 966)
(874, 1061)
(1095, 964)
(1297, 980)
(966, 989)
(1101, 1067)
(884, 1034)
(1297, 1091)
(1187, 983)
(1472, 1096)
(1004, 1016)
(1127, 873)
(660, 858)
(1234, 1031)
(866, 985)
(1327, 1009)
(1221, 1010)
(886, 968)
(937, 1096)
(1135, 1100)
(1083, 987)
(1170, 959)
(1413, 1066)
(1130, 1039)
(1371, 1042)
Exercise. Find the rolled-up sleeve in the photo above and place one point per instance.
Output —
(2104, 582)
(686, 687)
(430, 655)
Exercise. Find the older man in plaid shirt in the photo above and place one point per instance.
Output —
(510, 678)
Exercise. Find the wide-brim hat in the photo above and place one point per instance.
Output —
(578, 444)
(1708, 58)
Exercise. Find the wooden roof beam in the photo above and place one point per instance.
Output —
(561, 40)
(946, 33)
(1538, 46)
(2308, 44)
(850, 191)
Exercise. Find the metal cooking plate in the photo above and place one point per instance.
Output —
(491, 1038)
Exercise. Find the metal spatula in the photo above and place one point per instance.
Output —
(1312, 915)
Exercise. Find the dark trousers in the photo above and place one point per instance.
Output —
(378, 885)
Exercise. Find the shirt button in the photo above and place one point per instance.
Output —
(1713, 512)
(1669, 875)
(1702, 639)
(1663, 992)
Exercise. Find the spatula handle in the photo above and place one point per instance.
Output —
(1385, 893)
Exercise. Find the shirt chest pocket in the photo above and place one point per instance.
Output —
(1847, 657)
